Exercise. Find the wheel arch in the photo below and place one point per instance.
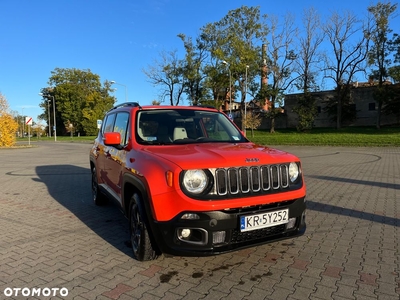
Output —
(92, 164)
(133, 185)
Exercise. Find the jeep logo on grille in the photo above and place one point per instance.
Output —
(249, 160)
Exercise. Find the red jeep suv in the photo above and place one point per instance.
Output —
(192, 184)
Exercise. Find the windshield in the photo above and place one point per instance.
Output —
(183, 126)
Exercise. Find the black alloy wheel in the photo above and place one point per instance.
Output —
(140, 238)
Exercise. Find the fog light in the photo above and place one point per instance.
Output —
(219, 237)
(189, 216)
(196, 236)
(185, 233)
(291, 223)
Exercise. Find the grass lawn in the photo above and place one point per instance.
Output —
(68, 139)
(349, 136)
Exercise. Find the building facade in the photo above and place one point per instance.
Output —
(362, 99)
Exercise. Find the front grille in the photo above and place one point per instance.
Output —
(247, 236)
(255, 179)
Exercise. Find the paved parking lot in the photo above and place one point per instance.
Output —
(56, 242)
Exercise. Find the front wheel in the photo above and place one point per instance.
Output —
(140, 238)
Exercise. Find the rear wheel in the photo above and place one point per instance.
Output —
(140, 238)
(98, 197)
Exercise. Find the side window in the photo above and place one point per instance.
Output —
(108, 124)
(121, 126)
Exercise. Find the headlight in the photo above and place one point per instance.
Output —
(293, 172)
(195, 181)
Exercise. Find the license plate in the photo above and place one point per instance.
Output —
(268, 219)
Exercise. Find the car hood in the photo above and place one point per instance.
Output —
(212, 155)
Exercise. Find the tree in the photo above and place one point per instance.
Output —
(215, 85)
(98, 102)
(38, 130)
(394, 46)
(192, 69)
(79, 98)
(307, 110)
(168, 75)
(253, 121)
(20, 120)
(348, 111)
(379, 53)
(8, 126)
(281, 60)
(394, 73)
(350, 45)
(307, 74)
(236, 39)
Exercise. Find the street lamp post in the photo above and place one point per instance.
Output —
(126, 89)
(23, 123)
(230, 88)
(245, 103)
(54, 114)
(48, 116)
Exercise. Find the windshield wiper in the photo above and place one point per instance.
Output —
(195, 141)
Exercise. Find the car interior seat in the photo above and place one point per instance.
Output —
(180, 133)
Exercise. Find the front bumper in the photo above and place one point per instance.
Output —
(216, 232)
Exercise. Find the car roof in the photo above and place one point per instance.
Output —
(130, 105)
(178, 107)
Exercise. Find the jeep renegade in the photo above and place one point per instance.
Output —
(191, 184)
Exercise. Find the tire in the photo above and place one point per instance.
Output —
(98, 197)
(139, 234)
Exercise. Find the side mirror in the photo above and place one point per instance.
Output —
(112, 139)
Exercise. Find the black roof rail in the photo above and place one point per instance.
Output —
(134, 104)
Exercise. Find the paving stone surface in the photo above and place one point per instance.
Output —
(53, 237)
